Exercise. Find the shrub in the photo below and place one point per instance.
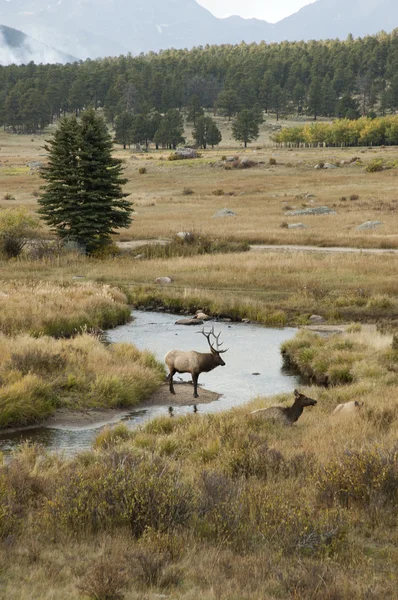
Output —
(35, 194)
(104, 580)
(376, 165)
(141, 493)
(223, 157)
(272, 161)
(364, 478)
(17, 226)
(284, 225)
(142, 170)
(354, 197)
(8, 196)
(218, 192)
(187, 191)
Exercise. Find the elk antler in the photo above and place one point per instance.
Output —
(216, 337)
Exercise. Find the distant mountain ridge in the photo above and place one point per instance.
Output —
(97, 28)
(18, 48)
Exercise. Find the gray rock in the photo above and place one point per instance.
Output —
(246, 321)
(225, 212)
(187, 152)
(329, 166)
(163, 280)
(231, 158)
(189, 322)
(318, 167)
(297, 226)
(316, 319)
(370, 225)
(184, 235)
(315, 210)
(35, 165)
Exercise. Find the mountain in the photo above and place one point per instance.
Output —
(94, 28)
(327, 19)
(18, 48)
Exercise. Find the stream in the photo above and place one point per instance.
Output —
(253, 368)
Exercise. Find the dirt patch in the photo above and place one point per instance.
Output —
(183, 396)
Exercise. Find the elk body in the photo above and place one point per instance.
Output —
(349, 408)
(286, 415)
(194, 362)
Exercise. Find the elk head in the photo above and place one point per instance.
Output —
(215, 351)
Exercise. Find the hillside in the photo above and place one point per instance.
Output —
(18, 48)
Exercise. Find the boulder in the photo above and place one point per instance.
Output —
(231, 159)
(202, 316)
(316, 319)
(189, 322)
(225, 212)
(329, 166)
(370, 225)
(163, 280)
(187, 153)
(297, 226)
(314, 210)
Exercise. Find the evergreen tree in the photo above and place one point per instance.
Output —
(315, 98)
(228, 103)
(123, 129)
(206, 132)
(348, 108)
(245, 127)
(194, 109)
(82, 199)
(278, 101)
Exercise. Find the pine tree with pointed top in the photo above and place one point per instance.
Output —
(83, 199)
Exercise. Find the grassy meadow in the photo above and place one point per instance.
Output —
(218, 506)
(260, 196)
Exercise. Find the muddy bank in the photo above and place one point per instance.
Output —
(94, 418)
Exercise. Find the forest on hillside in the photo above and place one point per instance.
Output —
(333, 78)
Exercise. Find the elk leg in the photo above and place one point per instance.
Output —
(195, 385)
(170, 377)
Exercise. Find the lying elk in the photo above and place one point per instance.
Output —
(193, 362)
(286, 415)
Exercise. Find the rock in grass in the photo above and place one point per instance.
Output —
(314, 210)
(163, 280)
(370, 225)
(297, 226)
(189, 322)
(225, 212)
(316, 319)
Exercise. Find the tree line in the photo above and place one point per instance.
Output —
(342, 132)
(329, 78)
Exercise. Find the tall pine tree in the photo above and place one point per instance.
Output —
(82, 199)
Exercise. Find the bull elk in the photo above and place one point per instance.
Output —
(194, 362)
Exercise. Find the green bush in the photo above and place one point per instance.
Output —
(376, 165)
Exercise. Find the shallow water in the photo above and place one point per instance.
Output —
(253, 368)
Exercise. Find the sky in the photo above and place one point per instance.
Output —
(269, 10)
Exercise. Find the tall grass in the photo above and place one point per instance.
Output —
(59, 310)
(39, 375)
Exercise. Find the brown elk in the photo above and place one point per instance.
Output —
(193, 362)
(286, 415)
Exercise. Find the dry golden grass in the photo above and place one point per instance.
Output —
(259, 198)
(340, 286)
(61, 310)
(39, 375)
(307, 511)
